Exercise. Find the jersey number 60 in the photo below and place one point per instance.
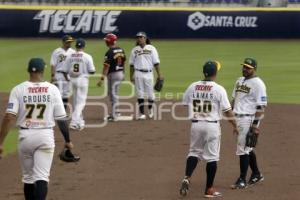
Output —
(202, 106)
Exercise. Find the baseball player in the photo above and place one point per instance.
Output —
(113, 69)
(79, 66)
(250, 100)
(58, 58)
(35, 104)
(143, 58)
(207, 100)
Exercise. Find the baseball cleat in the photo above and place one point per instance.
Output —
(142, 117)
(239, 184)
(255, 178)
(212, 193)
(184, 189)
(76, 127)
(151, 114)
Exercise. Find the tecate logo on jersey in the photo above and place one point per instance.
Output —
(72, 21)
(198, 20)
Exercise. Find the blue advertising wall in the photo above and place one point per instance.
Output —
(157, 23)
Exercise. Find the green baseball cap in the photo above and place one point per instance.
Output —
(250, 63)
(210, 68)
(36, 65)
(67, 38)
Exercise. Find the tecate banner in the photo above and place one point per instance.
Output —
(157, 24)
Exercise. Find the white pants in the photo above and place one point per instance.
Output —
(205, 141)
(63, 85)
(36, 149)
(244, 124)
(144, 85)
(80, 87)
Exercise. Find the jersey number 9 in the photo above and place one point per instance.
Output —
(76, 68)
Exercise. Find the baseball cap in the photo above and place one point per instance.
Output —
(210, 68)
(141, 34)
(36, 65)
(80, 43)
(250, 63)
(67, 38)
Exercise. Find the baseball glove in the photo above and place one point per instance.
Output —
(159, 85)
(67, 156)
(251, 137)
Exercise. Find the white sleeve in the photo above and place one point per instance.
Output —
(186, 100)
(59, 110)
(131, 58)
(53, 60)
(13, 102)
(224, 102)
(155, 57)
(91, 66)
(261, 94)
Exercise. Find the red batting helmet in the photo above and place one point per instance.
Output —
(110, 38)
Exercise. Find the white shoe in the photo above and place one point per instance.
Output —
(76, 127)
(142, 117)
(184, 189)
(151, 113)
(212, 193)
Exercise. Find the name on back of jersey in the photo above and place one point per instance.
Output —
(36, 95)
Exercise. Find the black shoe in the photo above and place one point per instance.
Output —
(239, 184)
(255, 178)
(184, 189)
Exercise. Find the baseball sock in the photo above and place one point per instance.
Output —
(141, 106)
(150, 105)
(29, 191)
(65, 101)
(211, 169)
(253, 163)
(41, 189)
(244, 163)
(191, 164)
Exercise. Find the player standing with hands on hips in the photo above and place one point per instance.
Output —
(113, 69)
(35, 104)
(207, 100)
(143, 58)
(58, 58)
(79, 66)
(250, 100)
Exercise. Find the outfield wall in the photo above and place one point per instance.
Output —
(157, 22)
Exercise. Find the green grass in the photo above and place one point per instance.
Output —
(181, 62)
(10, 143)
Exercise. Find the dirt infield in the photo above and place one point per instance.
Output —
(145, 160)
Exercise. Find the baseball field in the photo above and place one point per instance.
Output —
(145, 160)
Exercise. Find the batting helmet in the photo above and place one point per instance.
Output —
(110, 39)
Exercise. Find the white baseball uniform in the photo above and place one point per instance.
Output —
(143, 60)
(58, 58)
(247, 94)
(79, 65)
(36, 105)
(207, 101)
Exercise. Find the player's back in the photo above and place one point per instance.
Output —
(207, 100)
(115, 58)
(36, 104)
(79, 64)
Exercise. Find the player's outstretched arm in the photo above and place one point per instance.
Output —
(7, 122)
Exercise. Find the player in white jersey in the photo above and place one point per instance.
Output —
(143, 59)
(35, 104)
(207, 103)
(58, 58)
(79, 66)
(250, 100)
